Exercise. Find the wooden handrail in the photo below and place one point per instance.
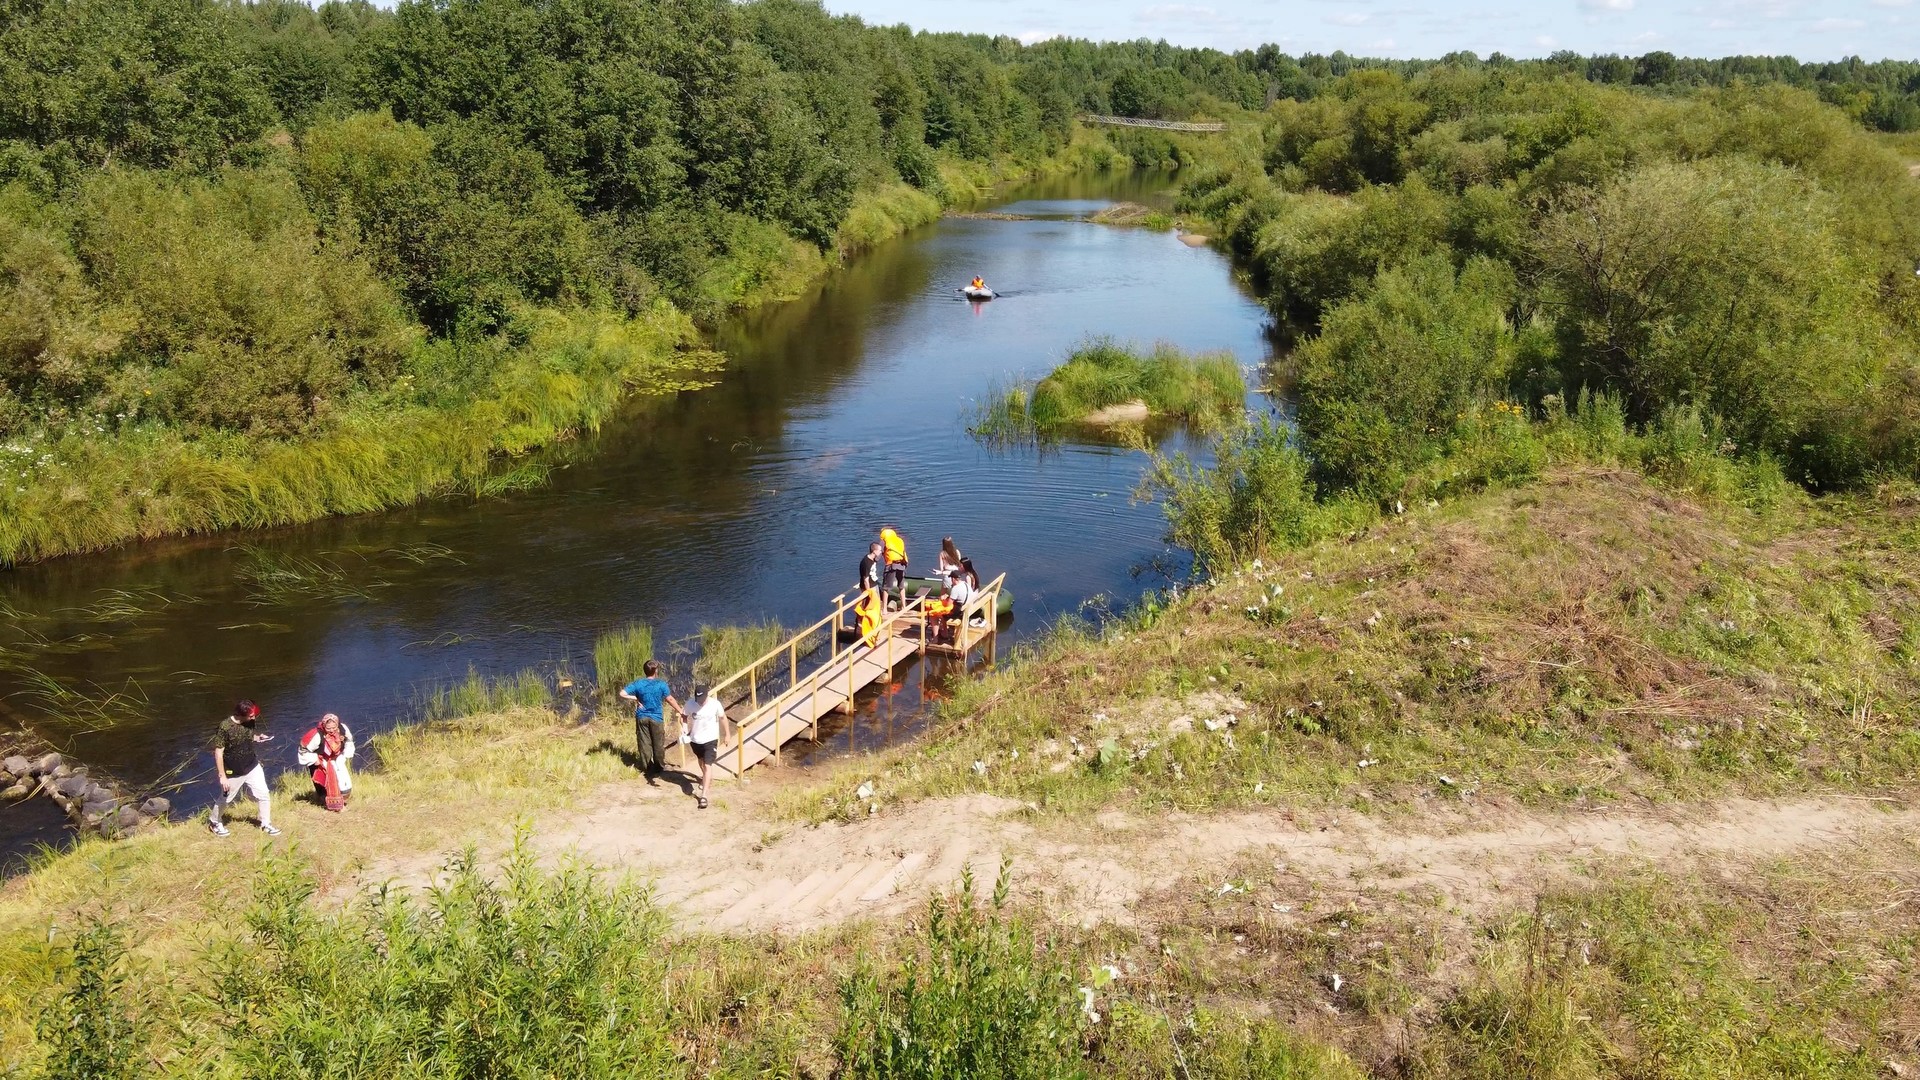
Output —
(767, 714)
(792, 642)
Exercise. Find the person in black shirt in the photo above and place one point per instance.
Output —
(870, 567)
(236, 766)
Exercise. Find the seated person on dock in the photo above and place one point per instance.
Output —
(939, 618)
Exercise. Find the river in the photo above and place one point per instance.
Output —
(755, 498)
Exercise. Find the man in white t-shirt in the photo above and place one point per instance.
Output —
(704, 734)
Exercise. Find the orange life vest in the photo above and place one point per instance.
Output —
(938, 607)
(868, 612)
(895, 547)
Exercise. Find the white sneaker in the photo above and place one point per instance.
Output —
(217, 829)
(270, 830)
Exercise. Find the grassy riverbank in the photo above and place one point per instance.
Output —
(1592, 645)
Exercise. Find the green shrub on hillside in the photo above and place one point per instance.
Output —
(532, 973)
(984, 999)
(1392, 370)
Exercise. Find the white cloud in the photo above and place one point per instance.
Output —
(1383, 45)
(1035, 37)
(1826, 25)
(1607, 5)
(1890, 3)
(1348, 18)
(1546, 41)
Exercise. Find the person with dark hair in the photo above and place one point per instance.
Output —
(651, 694)
(704, 735)
(870, 567)
(950, 560)
(236, 765)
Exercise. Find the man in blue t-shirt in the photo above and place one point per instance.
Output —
(650, 718)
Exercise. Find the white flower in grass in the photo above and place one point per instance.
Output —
(1086, 1005)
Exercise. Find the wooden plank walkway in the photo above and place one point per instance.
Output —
(800, 709)
(849, 667)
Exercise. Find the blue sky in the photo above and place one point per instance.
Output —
(1808, 29)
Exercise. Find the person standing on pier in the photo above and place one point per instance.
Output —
(236, 765)
(894, 547)
(651, 695)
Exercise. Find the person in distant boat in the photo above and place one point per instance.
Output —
(870, 567)
(894, 549)
(236, 765)
(977, 284)
(950, 559)
(651, 697)
(704, 735)
(326, 748)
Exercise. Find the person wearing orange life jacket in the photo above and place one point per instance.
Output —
(867, 611)
(978, 284)
(894, 550)
(939, 611)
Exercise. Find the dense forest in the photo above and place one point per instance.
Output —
(261, 262)
(1475, 259)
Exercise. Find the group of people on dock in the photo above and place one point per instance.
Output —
(883, 585)
(324, 750)
(327, 748)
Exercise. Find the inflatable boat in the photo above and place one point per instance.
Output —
(981, 293)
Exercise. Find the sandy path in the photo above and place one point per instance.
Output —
(727, 868)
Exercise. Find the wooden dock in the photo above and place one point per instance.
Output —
(847, 668)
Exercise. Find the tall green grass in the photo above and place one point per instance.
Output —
(619, 655)
(532, 973)
(985, 999)
(83, 490)
(725, 650)
(1205, 392)
(477, 695)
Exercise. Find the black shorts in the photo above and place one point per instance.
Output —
(706, 752)
(895, 577)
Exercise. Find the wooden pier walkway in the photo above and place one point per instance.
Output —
(847, 669)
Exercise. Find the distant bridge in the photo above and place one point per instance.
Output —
(1163, 125)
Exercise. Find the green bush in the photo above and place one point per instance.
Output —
(532, 973)
(95, 1029)
(1257, 497)
(984, 999)
(1393, 370)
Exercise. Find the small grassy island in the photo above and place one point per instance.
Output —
(1105, 385)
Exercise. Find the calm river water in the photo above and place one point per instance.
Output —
(752, 499)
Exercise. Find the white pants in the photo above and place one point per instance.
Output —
(254, 784)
